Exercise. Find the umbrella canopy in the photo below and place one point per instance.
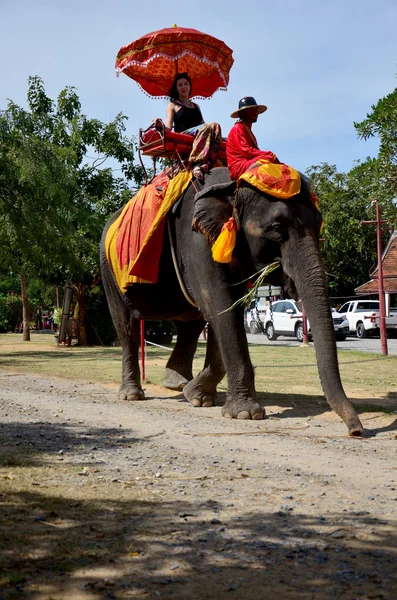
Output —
(154, 59)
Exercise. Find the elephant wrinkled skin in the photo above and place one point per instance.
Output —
(267, 229)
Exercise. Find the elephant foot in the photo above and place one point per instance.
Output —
(174, 380)
(131, 394)
(356, 431)
(348, 414)
(243, 408)
(194, 394)
(355, 427)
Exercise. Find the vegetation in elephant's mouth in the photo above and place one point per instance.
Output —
(258, 278)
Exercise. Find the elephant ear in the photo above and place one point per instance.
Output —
(213, 206)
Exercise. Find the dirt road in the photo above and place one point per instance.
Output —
(104, 499)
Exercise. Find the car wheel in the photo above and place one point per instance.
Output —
(253, 328)
(341, 337)
(299, 332)
(271, 335)
(361, 331)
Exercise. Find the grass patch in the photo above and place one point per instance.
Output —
(278, 370)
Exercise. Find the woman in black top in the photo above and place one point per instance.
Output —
(185, 116)
(182, 113)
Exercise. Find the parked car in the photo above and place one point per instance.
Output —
(284, 317)
(364, 317)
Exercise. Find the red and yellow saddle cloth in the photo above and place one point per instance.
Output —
(277, 180)
(134, 241)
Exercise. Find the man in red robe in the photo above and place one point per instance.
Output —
(242, 148)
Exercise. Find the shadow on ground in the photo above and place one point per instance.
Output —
(118, 549)
(300, 406)
(123, 541)
(23, 444)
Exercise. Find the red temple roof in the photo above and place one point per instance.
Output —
(389, 264)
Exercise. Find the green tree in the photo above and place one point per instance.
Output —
(55, 193)
(35, 178)
(346, 199)
(345, 244)
(381, 122)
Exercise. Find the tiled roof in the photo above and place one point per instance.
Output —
(389, 258)
(372, 287)
(389, 265)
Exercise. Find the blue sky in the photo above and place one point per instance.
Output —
(317, 66)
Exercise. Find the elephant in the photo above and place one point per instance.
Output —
(203, 291)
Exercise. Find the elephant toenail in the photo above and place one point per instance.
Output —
(208, 401)
(258, 416)
(134, 397)
(227, 415)
(196, 402)
(244, 414)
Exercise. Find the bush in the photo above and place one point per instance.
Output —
(8, 317)
(99, 322)
(159, 332)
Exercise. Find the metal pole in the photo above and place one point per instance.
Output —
(382, 304)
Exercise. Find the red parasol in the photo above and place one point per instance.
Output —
(154, 59)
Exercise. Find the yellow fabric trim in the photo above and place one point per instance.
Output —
(175, 189)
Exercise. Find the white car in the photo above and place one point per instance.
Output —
(364, 317)
(284, 317)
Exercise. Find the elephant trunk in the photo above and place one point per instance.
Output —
(303, 263)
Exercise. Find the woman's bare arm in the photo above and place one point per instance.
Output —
(169, 115)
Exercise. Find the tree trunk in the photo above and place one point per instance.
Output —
(80, 298)
(25, 309)
(302, 261)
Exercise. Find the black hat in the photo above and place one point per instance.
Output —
(248, 102)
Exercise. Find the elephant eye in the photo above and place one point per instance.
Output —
(276, 226)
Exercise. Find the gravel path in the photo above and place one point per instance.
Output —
(156, 499)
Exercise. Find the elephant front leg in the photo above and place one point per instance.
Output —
(241, 397)
(238, 406)
(241, 400)
(201, 391)
(178, 371)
